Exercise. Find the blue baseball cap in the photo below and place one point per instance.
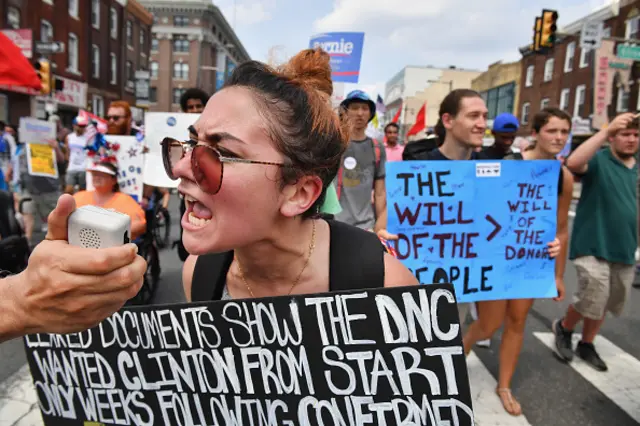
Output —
(359, 96)
(506, 123)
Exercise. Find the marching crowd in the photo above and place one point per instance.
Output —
(282, 195)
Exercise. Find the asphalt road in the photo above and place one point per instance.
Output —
(551, 392)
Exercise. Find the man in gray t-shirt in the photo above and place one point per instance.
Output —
(362, 170)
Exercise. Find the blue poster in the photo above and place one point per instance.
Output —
(345, 50)
(482, 226)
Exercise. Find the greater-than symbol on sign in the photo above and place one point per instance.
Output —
(497, 228)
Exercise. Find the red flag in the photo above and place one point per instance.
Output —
(421, 120)
(15, 69)
(397, 116)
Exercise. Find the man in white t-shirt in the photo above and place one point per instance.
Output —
(76, 154)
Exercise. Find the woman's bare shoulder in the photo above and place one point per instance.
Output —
(396, 274)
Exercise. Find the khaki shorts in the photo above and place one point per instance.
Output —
(602, 286)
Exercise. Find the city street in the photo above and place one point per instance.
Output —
(551, 393)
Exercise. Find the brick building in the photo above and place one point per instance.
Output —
(193, 45)
(93, 34)
(564, 77)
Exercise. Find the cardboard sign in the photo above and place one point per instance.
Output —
(157, 126)
(130, 163)
(32, 130)
(41, 160)
(387, 356)
(482, 226)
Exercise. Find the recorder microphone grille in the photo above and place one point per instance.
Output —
(89, 238)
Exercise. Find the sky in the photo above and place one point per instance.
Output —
(464, 33)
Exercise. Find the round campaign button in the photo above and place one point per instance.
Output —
(350, 163)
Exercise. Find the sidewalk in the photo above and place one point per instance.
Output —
(19, 401)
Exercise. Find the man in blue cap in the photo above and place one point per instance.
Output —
(362, 170)
(505, 127)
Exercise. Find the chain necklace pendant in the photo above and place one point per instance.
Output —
(312, 246)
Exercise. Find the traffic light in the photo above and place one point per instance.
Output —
(43, 69)
(537, 29)
(549, 28)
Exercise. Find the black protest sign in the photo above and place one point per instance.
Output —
(384, 357)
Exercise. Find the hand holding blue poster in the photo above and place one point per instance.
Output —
(482, 226)
(345, 50)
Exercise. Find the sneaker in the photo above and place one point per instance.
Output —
(563, 345)
(588, 353)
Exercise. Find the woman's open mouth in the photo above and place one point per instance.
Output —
(197, 214)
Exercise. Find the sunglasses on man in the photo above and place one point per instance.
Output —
(207, 163)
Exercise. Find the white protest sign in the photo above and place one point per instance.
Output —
(157, 126)
(130, 163)
(32, 130)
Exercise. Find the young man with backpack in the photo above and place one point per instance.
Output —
(362, 170)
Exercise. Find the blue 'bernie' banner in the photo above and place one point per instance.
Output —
(482, 226)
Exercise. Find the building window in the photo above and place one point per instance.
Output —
(95, 13)
(623, 100)
(143, 40)
(114, 69)
(129, 31)
(181, 71)
(153, 69)
(73, 52)
(632, 28)
(578, 107)
(525, 112)
(564, 99)
(181, 45)
(155, 44)
(73, 8)
(568, 59)
(548, 69)
(606, 33)
(97, 104)
(499, 99)
(128, 67)
(13, 17)
(529, 79)
(95, 61)
(180, 21)
(544, 103)
(153, 94)
(177, 94)
(585, 57)
(46, 31)
(113, 18)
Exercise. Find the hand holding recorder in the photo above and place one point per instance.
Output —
(67, 286)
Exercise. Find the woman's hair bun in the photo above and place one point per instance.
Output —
(310, 68)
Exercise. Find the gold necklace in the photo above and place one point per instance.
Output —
(312, 246)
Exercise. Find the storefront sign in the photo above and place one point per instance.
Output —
(23, 39)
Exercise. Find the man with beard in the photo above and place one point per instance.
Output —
(604, 238)
(119, 119)
(504, 131)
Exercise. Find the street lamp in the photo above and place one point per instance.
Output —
(450, 83)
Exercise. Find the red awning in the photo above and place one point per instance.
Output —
(15, 69)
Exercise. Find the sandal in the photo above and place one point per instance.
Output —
(509, 403)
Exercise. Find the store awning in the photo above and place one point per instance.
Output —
(15, 69)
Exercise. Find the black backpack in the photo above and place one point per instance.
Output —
(356, 262)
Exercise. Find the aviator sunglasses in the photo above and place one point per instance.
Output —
(207, 163)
